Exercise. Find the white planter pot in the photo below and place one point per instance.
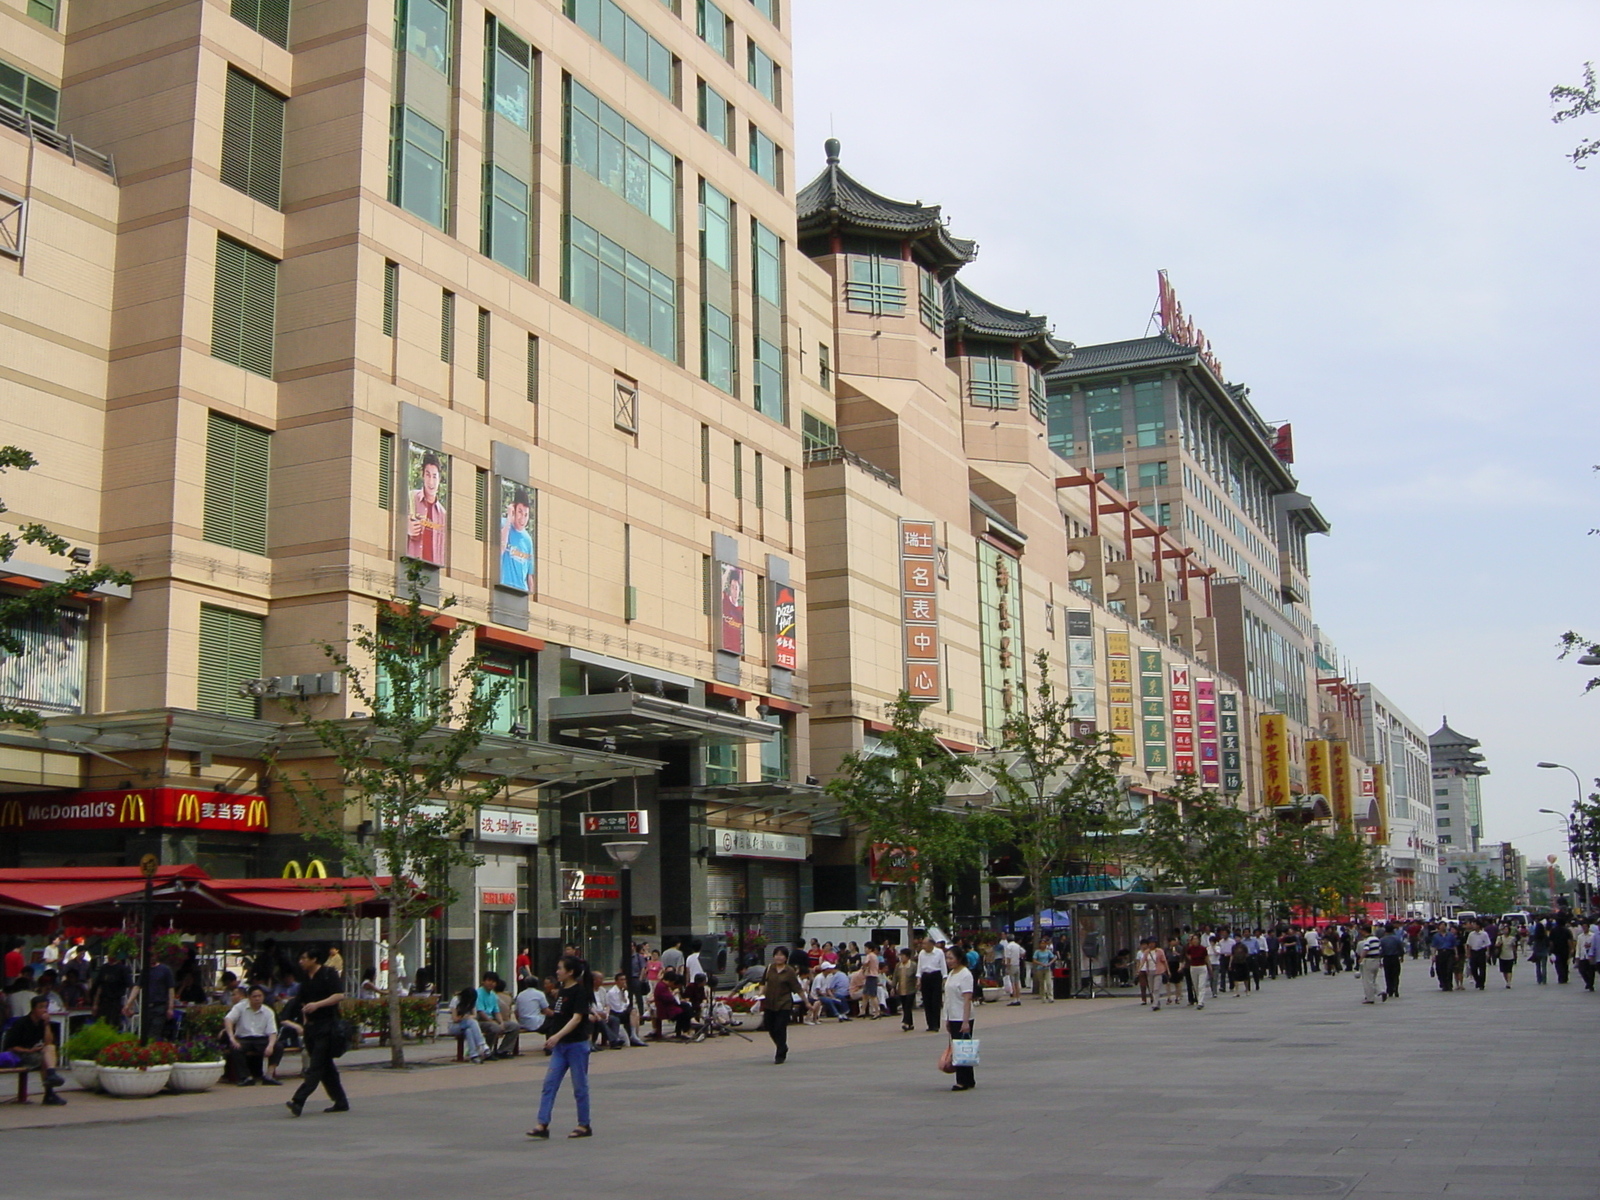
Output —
(134, 1081)
(86, 1074)
(195, 1077)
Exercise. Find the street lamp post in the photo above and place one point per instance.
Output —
(1573, 866)
(625, 854)
(1012, 884)
(1574, 862)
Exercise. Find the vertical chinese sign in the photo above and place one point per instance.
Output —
(1153, 710)
(1119, 670)
(785, 643)
(1317, 769)
(1000, 635)
(1380, 800)
(1274, 759)
(1231, 742)
(1339, 780)
(1080, 667)
(1205, 720)
(1183, 759)
(919, 611)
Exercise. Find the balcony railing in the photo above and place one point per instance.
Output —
(24, 124)
(828, 454)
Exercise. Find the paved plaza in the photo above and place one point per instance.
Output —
(1297, 1091)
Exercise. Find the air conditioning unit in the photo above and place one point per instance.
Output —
(277, 687)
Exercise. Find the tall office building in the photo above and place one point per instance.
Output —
(1458, 769)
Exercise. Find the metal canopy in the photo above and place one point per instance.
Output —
(777, 798)
(632, 718)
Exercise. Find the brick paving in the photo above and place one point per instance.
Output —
(1297, 1091)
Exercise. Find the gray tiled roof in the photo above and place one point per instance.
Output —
(967, 314)
(1111, 356)
(834, 201)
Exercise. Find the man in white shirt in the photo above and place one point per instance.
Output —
(619, 1011)
(1583, 953)
(1478, 942)
(252, 1030)
(692, 969)
(530, 1006)
(1313, 951)
(1011, 958)
(1369, 956)
(930, 980)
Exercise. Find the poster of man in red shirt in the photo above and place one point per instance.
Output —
(427, 492)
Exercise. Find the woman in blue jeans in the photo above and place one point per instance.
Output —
(464, 1021)
(566, 1029)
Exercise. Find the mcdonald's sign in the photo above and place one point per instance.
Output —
(314, 869)
(142, 808)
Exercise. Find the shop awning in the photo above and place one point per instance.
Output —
(352, 896)
(628, 717)
(777, 800)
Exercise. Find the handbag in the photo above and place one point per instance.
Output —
(964, 1052)
(945, 1063)
(339, 1035)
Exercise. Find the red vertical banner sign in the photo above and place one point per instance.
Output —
(785, 640)
(1205, 722)
(1182, 700)
(919, 610)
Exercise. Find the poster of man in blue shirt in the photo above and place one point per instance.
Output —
(516, 541)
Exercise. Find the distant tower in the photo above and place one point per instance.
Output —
(1457, 798)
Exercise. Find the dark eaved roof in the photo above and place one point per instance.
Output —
(835, 202)
(967, 314)
(1138, 352)
(1447, 748)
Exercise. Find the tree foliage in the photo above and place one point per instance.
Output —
(1485, 893)
(1580, 102)
(897, 799)
(407, 763)
(44, 601)
(1052, 788)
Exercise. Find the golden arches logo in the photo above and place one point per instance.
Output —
(132, 809)
(188, 807)
(11, 814)
(314, 869)
(255, 816)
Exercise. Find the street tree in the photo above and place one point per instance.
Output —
(406, 763)
(1482, 892)
(1052, 787)
(1580, 102)
(896, 796)
(40, 603)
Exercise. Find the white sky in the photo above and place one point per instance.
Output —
(1367, 209)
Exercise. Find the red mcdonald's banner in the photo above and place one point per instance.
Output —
(144, 808)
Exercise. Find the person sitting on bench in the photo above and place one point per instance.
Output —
(33, 1040)
(252, 1032)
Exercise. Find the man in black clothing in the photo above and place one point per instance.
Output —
(1561, 941)
(154, 998)
(110, 989)
(33, 1039)
(319, 998)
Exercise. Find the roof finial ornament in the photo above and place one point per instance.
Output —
(831, 149)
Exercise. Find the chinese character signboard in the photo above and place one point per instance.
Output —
(1230, 742)
(919, 611)
(1000, 635)
(785, 643)
(1380, 800)
(1205, 722)
(628, 822)
(1183, 747)
(1339, 780)
(1274, 759)
(1317, 768)
(1119, 670)
(1153, 710)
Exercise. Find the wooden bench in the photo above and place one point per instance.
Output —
(461, 1047)
(22, 1074)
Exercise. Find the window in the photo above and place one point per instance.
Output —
(230, 653)
(252, 138)
(760, 485)
(717, 349)
(238, 461)
(505, 219)
(621, 288)
(1104, 406)
(712, 24)
(1117, 477)
(447, 327)
(722, 764)
(716, 115)
(32, 97)
(426, 32)
(1444, 791)
(767, 264)
(764, 74)
(514, 705)
(385, 469)
(483, 343)
(768, 9)
(766, 159)
(825, 364)
(815, 433)
(511, 77)
(1442, 822)
(602, 143)
(930, 300)
(738, 470)
(716, 227)
(46, 12)
(417, 170)
(532, 392)
(1149, 412)
(769, 379)
(1038, 405)
(625, 412)
(627, 39)
(705, 454)
(1152, 474)
(244, 314)
(992, 383)
(480, 506)
(1161, 514)
(788, 494)
(775, 754)
(269, 18)
(50, 672)
(874, 286)
(391, 295)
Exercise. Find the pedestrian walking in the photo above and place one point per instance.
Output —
(1044, 963)
(1392, 947)
(1561, 940)
(1010, 954)
(1444, 957)
(905, 989)
(931, 962)
(958, 988)
(567, 1041)
(1369, 957)
(1152, 967)
(1478, 944)
(1214, 964)
(779, 986)
(318, 1000)
(1194, 955)
(1583, 953)
(1505, 948)
(1539, 947)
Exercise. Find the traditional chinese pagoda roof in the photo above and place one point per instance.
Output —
(1448, 748)
(1138, 352)
(967, 314)
(835, 203)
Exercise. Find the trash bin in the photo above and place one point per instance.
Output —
(1060, 983)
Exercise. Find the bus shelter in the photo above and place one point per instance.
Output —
(1106, 928)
